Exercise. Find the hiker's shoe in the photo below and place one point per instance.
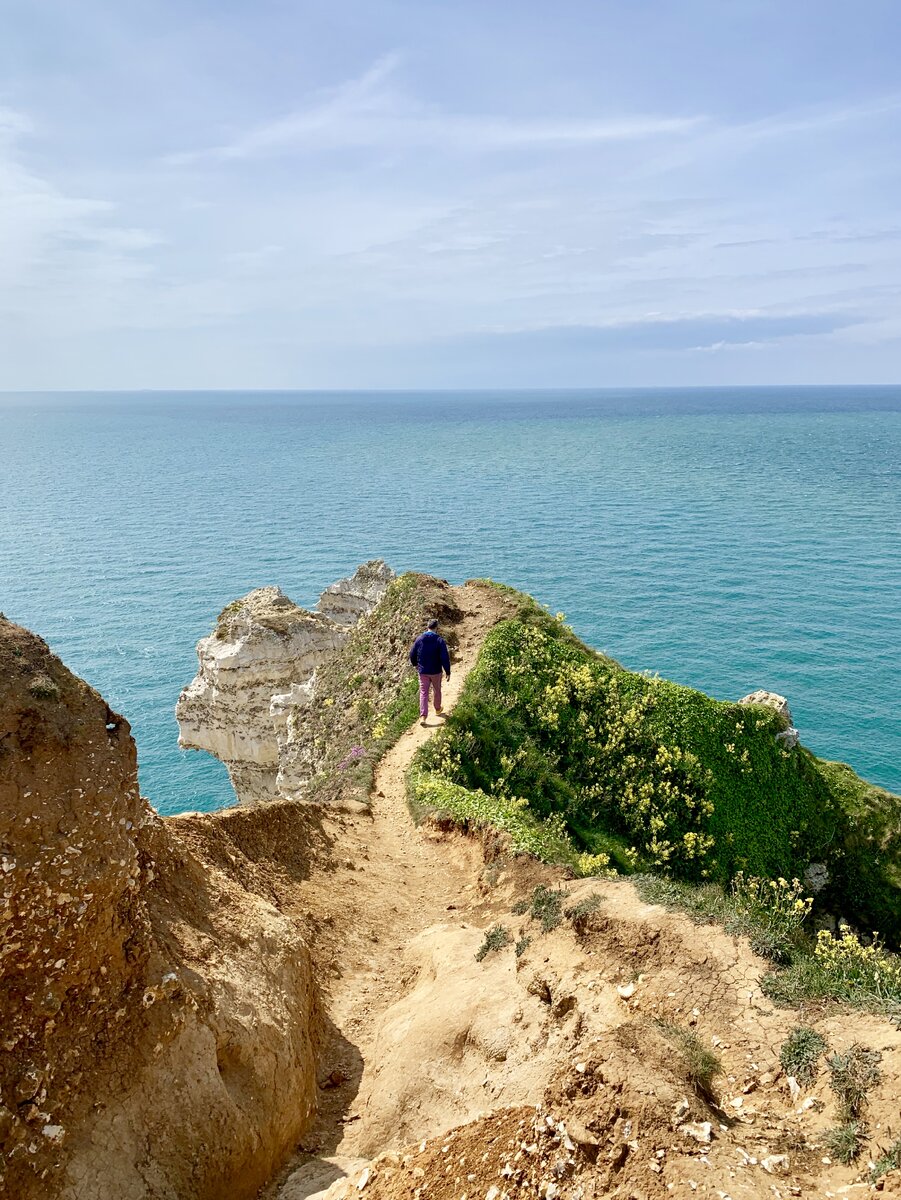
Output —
(424, 723)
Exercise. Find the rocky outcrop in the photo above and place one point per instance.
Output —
(788, 736)
(348, 599)
(258, 668)
(150, 1005)
(262, 645)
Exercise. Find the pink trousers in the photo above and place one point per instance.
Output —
(425, 682)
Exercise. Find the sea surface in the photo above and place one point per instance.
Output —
(730, 539)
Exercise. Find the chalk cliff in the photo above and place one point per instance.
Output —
(258, 667)
(149, 1003)
(348, 599)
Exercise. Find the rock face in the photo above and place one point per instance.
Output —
(263, 644)
(788, 736)
(348, 599)
(258, 667)
(127, 970)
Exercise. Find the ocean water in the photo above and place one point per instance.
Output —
(730, 539)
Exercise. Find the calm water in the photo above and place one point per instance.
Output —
(728, 539)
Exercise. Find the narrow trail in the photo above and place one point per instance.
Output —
(396, 881)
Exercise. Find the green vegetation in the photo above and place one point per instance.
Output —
(853, 1074)
(890, 1160)
(596, 768)
(800, 1053)
(495, 939)
(698, 1065)
(773, 911)
(367, 694)
(522, 946)
(579, 914)
(845, 1142)
(840, 968)
(545, 906)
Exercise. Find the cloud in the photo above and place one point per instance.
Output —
(368, 112)
(656, 332)
(58, 250)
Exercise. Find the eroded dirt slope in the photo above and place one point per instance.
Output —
(552, 1072)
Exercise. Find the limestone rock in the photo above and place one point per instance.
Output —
(257, 675)
(701, 1131)
(816, 877)
(264, 647)
(788, 736)
(348, 599)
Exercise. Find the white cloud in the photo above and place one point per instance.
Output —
(60, 254)
(369, 112)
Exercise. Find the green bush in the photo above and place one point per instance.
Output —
(545, 907)
(573, 754)
(845, 1142)
(800, 1053)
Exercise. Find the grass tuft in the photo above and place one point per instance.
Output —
(579, 914)
(845, 1142)
(800, 1053)
(495, 939)
(853, 1074)
(889, 1160)
(699, 1065)
(545, 905)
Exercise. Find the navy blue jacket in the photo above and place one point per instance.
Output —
(428, 654)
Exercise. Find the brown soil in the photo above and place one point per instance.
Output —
(443, 1076)
(553, 1073)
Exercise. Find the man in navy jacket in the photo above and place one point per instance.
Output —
(429, 655)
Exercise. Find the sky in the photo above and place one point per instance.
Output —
(464, 193)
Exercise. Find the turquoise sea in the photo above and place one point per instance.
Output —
(730, 539)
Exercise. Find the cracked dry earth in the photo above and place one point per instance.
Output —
(551, 1074)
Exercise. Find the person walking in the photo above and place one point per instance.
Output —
(429, 655)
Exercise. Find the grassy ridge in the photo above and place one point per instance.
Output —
(565, 747)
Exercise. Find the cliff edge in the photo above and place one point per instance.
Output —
(151, 1004)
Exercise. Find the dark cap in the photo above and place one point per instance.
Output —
(433, 624)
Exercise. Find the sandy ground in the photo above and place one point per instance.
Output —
(548, 1073)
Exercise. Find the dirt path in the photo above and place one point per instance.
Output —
(400, 880)
(430, 1051)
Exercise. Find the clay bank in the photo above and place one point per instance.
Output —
(310, 992)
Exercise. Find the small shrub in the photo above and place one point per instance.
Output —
(775, 911)
(42, 687)
(545, 906)
(522, 946)
(890, 1160)
(495, 939)
(579, 914)
(853, 1074)
(800, 1054)
(845, 1142)
(699, 1065)
(851, 964)
(492, 873)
